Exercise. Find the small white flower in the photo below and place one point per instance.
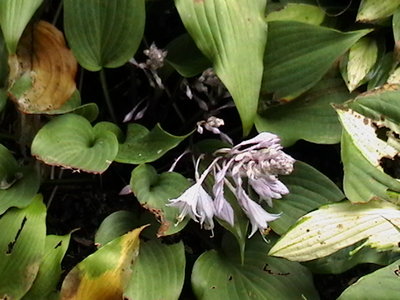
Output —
(196, 203)
(223, 209)
(258, 217)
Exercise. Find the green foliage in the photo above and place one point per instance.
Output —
(232, 35)
(96, 37)
(220, 275)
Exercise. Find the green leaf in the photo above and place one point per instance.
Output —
(3, 99)
(153, 192)
(309, 189)
(362, 57)
(382, 71)
(220, 275)
(298, 12)
(8, 169)
(4, 68)
(298, 55)
(336, 226)
(185, 57)
(159, 270)
(370, 145)
(22, 192)
(50, 269)
(22, 240)
(14, 16)
(105, 34)
(297, 119)
(382, 284)
(372, 10)
(345, 259)
(142, 146)
(232, 35)
(115, 225)
(71, 142)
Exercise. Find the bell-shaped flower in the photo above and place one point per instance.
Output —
(258, 217)
(223, 210)
(268, 188)
(197, 204)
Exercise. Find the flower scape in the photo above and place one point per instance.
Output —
(257, 162)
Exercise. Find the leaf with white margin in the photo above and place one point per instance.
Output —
(336, 226)
(370, 145)
(232, 34)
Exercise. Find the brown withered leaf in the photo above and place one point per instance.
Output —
(47, 65)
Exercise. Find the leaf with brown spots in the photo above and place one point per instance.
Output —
(42, 72)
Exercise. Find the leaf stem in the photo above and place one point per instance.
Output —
(107, 95)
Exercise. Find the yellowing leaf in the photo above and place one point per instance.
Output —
(362, 58)
(104, 274)
(42, 72)
(336, 226)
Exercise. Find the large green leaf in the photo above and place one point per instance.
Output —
(309, 189)
(22, 241)
(70, 141)
(104, 33)
(153, 191)
(14, 16)
(221, 275)
(382, 284)
(370, 145)
(232, 34)
(50, 269)
(299, 54)
(336, 226)
(298, 119)
(159, 270)
(143, 146)
(372, 10)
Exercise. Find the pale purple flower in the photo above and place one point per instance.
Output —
(196, 203)
(212, 124)
(258, 161)
(223, 210)
(258, 217)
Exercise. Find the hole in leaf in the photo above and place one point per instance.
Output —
(230, 277)
(58, 245)
(382, 133)
(391, 166)
(12, 244)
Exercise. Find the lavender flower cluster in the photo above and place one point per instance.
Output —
(257, 161)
